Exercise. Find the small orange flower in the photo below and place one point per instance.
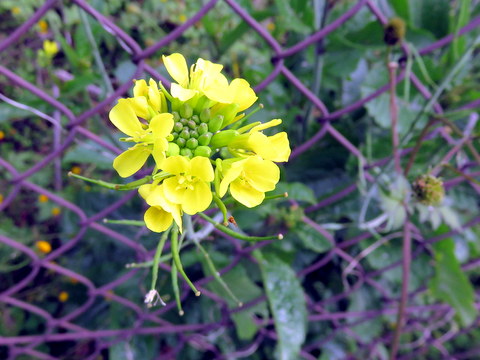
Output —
(2, 135)
(43, 246)
(56, 211)
(43, 198)
(43, 26)
(63, 296)
(76, 170)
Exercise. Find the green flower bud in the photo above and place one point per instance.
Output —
(196, 119)
(204, 151)
(173, 149)
(394, 31)
(428, 190)
(205, 139)
(215, 124)
(178, 126)
(169, 137)
(185, 134)
(186, 111)
(194, 134)
(181, 142)
(175, 135)
(205, 115)
(183, 122)
(202, 128)
(191, 124)
(192, 143)
(176, 116)
(223, 138)
(186, 152)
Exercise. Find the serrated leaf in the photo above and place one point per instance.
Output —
(450, 284)
(287, 303)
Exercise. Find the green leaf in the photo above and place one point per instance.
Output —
(450, 284)
(296, 191)
(229, 38)
(402, 8)
(431, 15)
(370, 35)
(89, 152)
(288, 19)
(287, 303)
(312, 239)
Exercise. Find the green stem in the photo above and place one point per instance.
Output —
(122, 187)
(156, 258)
(236, 235)
(125, 222)
(176, 289)
(177, 261)
(222, 208)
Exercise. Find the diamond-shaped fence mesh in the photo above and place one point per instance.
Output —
(70, 329)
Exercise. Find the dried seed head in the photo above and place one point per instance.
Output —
(394, 31)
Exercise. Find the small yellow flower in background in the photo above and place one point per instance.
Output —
(182, 18)
(63, 296)
(50, 48)
(2, 135)
(1, 198)
(43, 27)
(150, 139)
(76, 169)
(42, 198)
(56, 211)
(15, 10)
(43, 246)
(270, 26)
(249, 179)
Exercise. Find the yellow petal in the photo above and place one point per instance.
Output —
(245, 194)
(140, 88)
(177, 68)
(275, 148)
(131, 160)
(157, 219)
(261, 174)
(123, 117)
(173, 191)
(201, 167)
(242, 94)
(197, 199)
(140, 106)
(145, 190)
(176, 165)
(266, 125)
(158, 152)
(154, 95)
(209, 68)
(182, 93)
(230, 173)
(161, 125)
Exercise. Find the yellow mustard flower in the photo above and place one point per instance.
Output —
(150, 139)
(162, 212)
(189, 187)
(44, 246)
(42, 198)
(249, 179)
(50, 48)
(205, 78)
(2, 135)
(56, 211)
(147, 100)
(16, 10)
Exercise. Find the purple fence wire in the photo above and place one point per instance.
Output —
(152, 323)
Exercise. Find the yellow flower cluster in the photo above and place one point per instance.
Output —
(198, 146)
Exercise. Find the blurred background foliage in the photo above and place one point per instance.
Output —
(349, 64)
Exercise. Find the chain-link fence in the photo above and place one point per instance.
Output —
(426, 325)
